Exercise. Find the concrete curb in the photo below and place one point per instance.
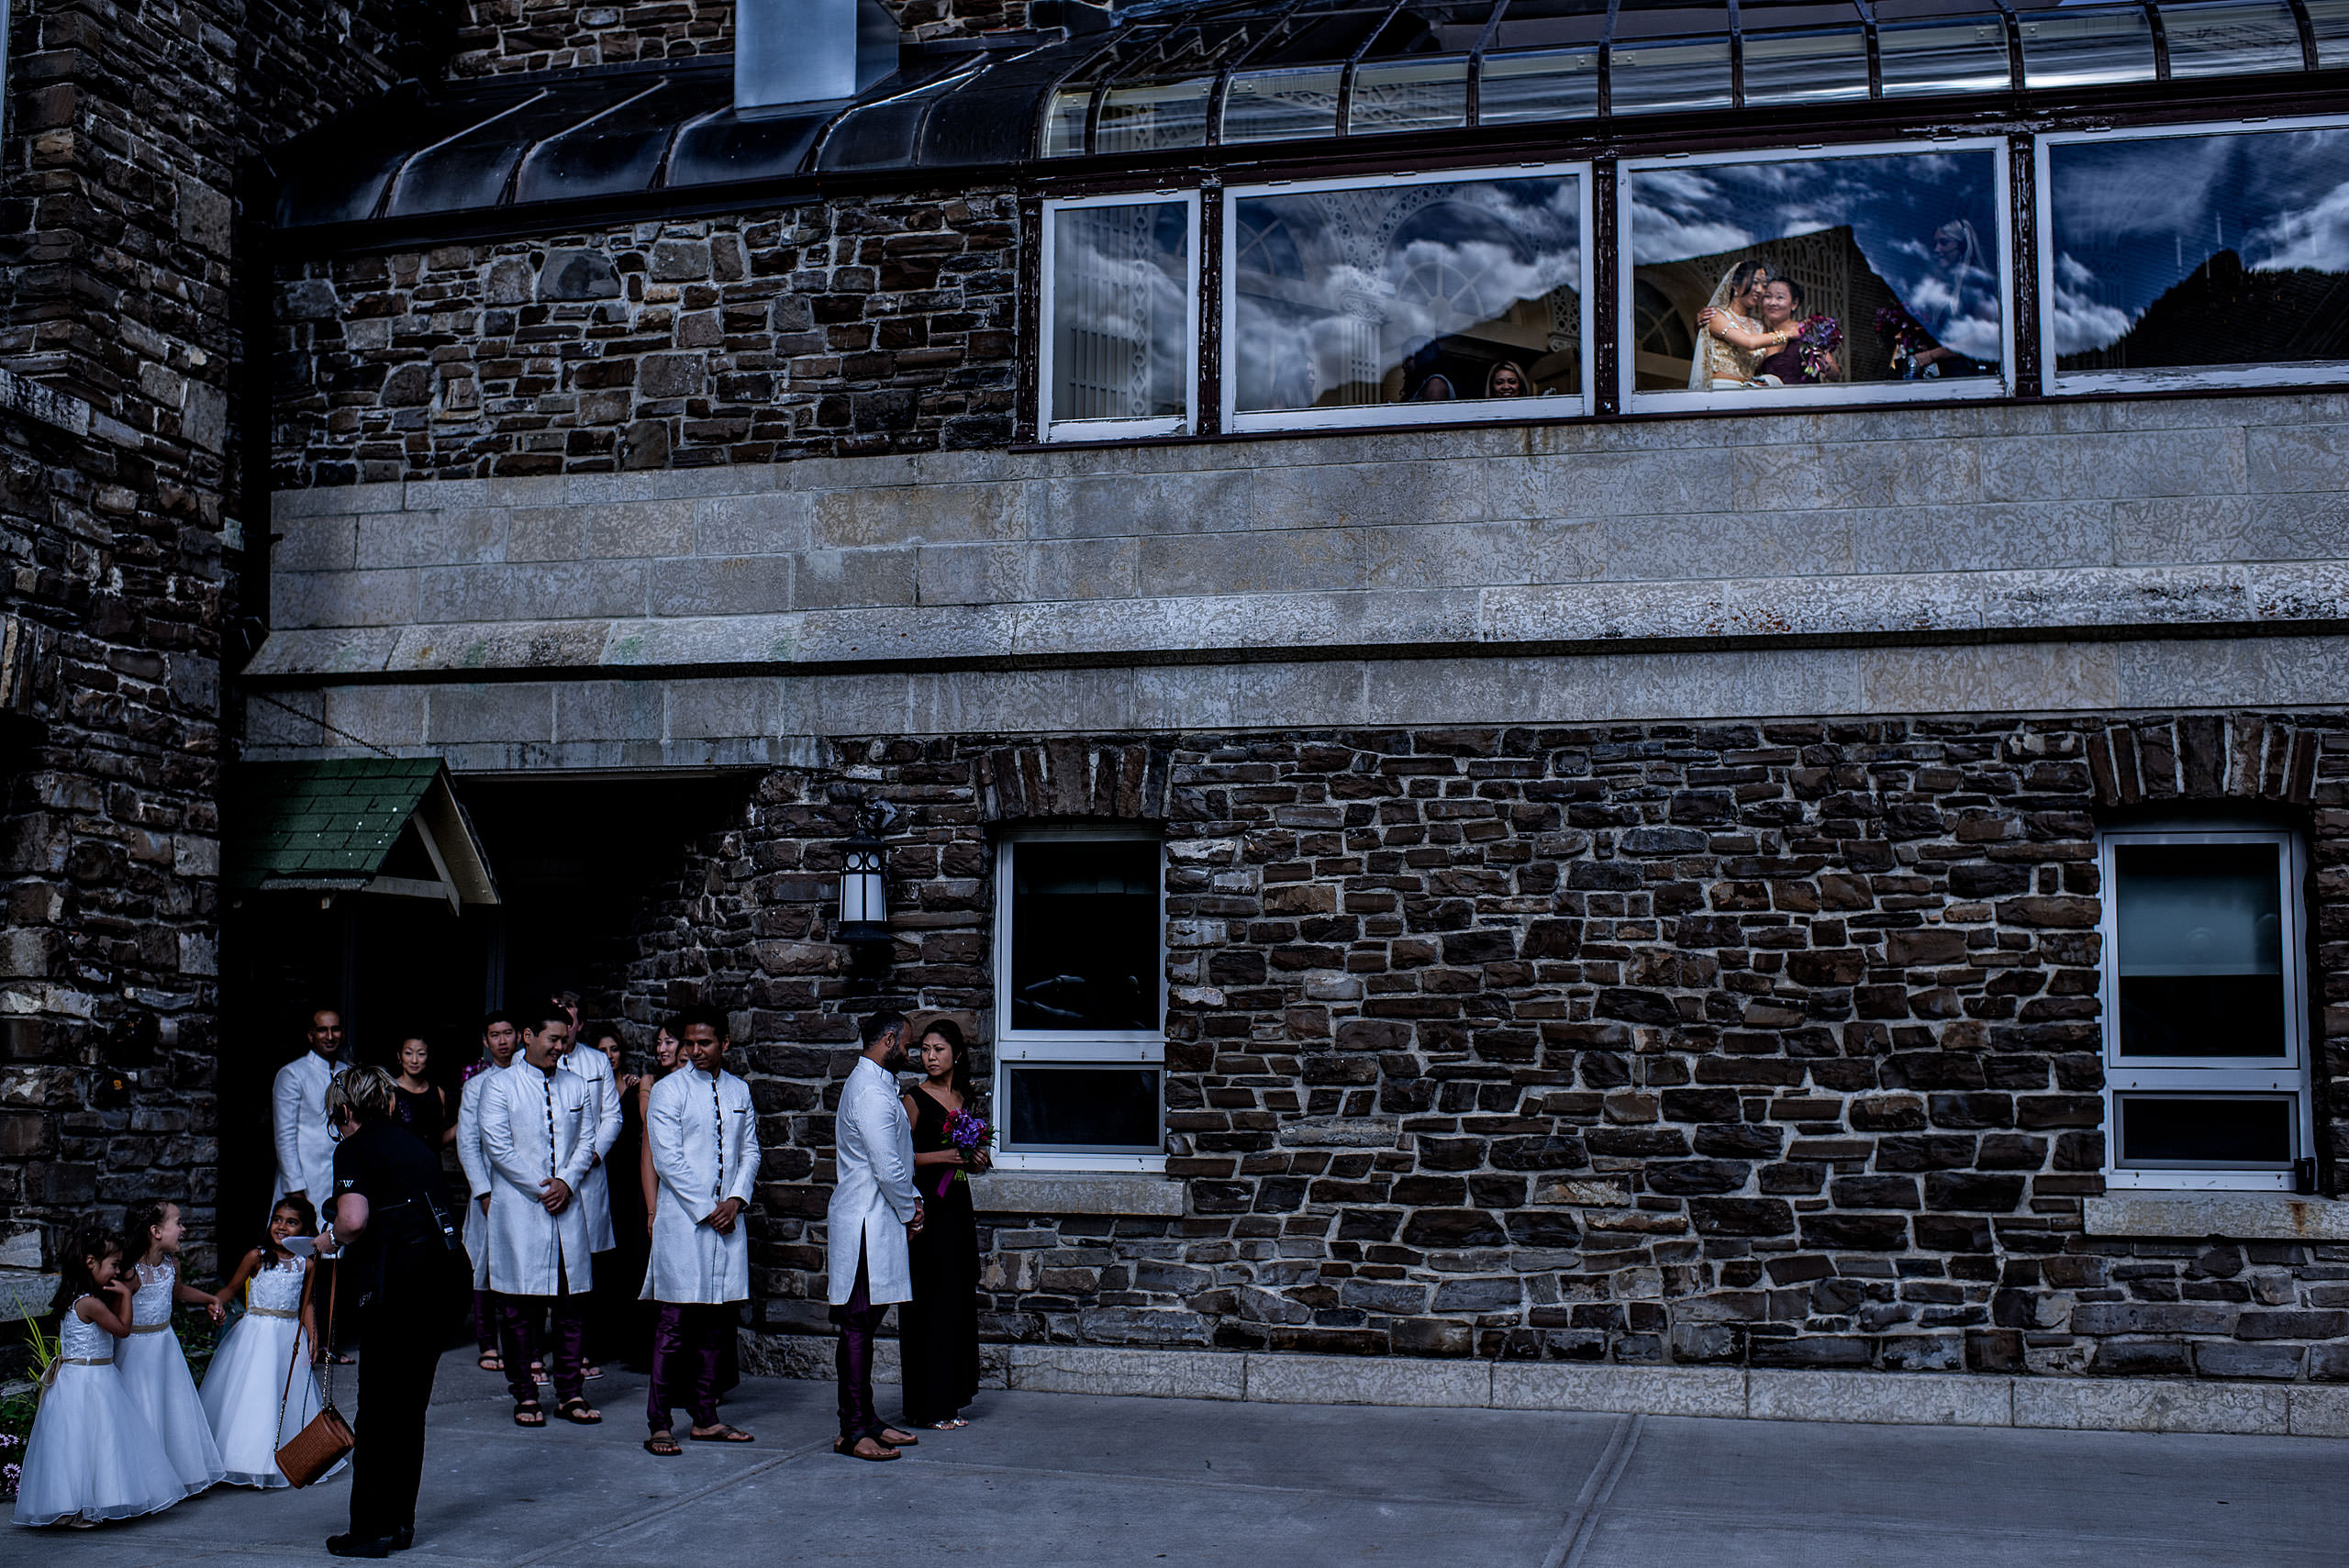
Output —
(1888, 1398)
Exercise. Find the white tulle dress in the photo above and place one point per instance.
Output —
(155, 1370)
(247, 1381)
(92, 1456)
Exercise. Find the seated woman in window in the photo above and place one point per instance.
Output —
(1723, 361)
(1506, 381)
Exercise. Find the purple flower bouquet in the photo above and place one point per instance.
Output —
(968, 1131)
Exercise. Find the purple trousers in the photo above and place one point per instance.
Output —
(564, 1354)
(686, 1340)
(860, 1320)
(485, 1320)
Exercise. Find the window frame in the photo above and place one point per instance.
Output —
(1075, 1048)
(2209, 1077)
(1187, 422)
(2058, 384)
(1850, 393)
(1238, 421)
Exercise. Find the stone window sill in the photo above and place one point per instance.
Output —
(1037, 1191)
(2235, 1216)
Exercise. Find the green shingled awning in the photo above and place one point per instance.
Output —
(386, 825)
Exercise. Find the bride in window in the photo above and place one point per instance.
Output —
(1721, 360)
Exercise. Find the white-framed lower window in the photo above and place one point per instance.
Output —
(1119, 353)
(2204, 1007)
(1886, 266)
(1080, 975)
(2229, 275)
(1410, 298)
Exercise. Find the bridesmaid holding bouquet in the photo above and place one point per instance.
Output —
(938, 1329)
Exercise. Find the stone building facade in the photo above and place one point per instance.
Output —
(1635, 913)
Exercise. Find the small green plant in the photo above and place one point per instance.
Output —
(44, 1347)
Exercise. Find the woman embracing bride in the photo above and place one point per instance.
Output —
(1720, 361)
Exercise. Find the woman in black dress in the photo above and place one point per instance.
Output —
(938, 1329)
(417, 1103)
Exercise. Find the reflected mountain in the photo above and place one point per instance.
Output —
(2225, 313)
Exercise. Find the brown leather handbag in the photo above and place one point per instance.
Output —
(319, 1446)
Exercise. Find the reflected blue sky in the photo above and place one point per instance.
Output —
(2133, 219)
(1893, 204)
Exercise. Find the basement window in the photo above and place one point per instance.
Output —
(2205, 1016)
(1080, 999)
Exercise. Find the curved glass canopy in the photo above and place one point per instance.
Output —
(1170, 74)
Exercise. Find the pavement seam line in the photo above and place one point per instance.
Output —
(981, 1467)
(1574, 1533)
(674, 1504)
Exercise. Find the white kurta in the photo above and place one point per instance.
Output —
(298, 1118)
(874, 1200)
(595, 1192)
(535, 1125)
(479, 1180)
(704, 1134)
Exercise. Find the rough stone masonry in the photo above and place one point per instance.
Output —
(1769, 1044)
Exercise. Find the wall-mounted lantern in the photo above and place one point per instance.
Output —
(864, 878)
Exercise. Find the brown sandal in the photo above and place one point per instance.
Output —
(843, 1446)
(579, 1412)
(721, 1433)
(528, 1414)
(663, 1445)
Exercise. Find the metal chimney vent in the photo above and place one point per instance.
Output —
(806, 51)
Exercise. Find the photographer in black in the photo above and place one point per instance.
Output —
(391, 1228)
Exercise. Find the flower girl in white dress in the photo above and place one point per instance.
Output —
(253, 1409)
(92, 1455)
(152, 1364)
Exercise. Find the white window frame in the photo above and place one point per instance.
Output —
(1511, 410)
(2057, 385)
(2210, 1077)
(1771, 399)
(1074, 1047)
(1048, 331)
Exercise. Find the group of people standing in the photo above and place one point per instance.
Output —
(540, 1123)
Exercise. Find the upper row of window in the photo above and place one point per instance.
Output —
(2192, 255)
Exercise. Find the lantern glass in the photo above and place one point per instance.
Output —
(865, 891)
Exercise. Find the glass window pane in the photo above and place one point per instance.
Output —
(1120, 312)
(1277, 105)
(2199, 949)
(1163, 114)
(1547, 84)
(1403, 294)
(2084, 49)
(2231, 37)
(2180, 251)
(1886, 266)
(1081, 1110)
(1084, 934)
(1656, 78)
(2179, 1131)
(1805, 68)
(2329, 19)
(1408, 94)
(1064, 122)
(1965, 54)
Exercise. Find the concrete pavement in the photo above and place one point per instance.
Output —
(1059, 1480)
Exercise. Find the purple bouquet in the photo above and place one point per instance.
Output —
(1907, 338)
(968, 1131)
(1820, 337)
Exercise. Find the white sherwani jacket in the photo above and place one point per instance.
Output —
(535, 1125)
(478, 1178)
(874, 1200)
(704, 1134)
(595, 1192)
(298, 1118)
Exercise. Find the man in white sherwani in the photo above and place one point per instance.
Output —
(297, 1103)
(595, 1198)
(704, 1135)
(539, 1136)
(499, 1040)
(874, 1206)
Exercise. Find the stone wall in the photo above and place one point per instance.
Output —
(550, 35)
(870, 326)
(1773, 1044)
(120, 352)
